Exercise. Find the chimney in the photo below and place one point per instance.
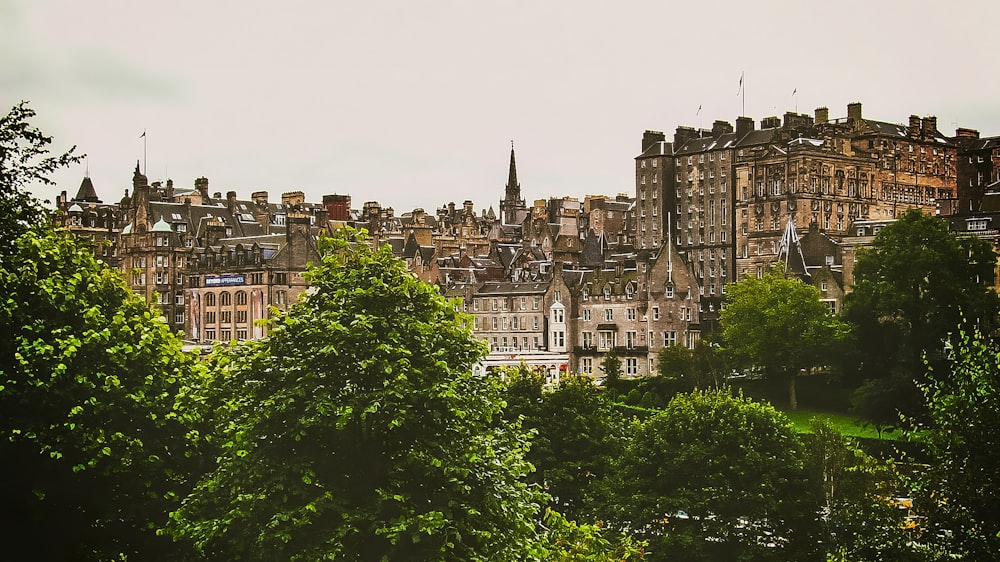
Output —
(822, 115)
(964, 133)
(795, 120)
(293, 198)
(854, 111)
(259, 198)
(649, 138)
(684, 134)
(772, 122)
(201, 186)
(170, 190)
(744, 125)
(720, 128)
(231, 201)
(928, 126)
(913, 130)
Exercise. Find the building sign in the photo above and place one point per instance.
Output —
(225, 280)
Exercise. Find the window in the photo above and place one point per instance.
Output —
(495, 307)
(179, 298)
(524, 303)
(241, 317)
(669, 293)
(209, 334)
(559, 338)
(210, 317)
(241, 298)
(631, 366)
(280, 297)
(535, 303)
(495, 323)
(558, 316)
(587, 340)
(225, 299)
(534, 326)
(630, 339)
(227, 335)
(514, 323)
(669, 338)
(226, 317)
(209, 299)
(609, 315)
(587, 365)
(656, 313)
(586, 314)
(178, 317)
(605, 340)
(241, 334)
(475, 305)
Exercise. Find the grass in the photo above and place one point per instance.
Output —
(848, 426)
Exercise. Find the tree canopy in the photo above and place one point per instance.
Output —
(780, 325)
(917, 283)
(712, 477)
(357, 431)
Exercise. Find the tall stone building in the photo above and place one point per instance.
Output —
(733, 191)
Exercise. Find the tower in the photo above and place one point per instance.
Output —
(512, 202)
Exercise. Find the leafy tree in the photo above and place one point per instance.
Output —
(860, 518)
(781, 325)
(916, 284)
(960, 489)
(24, 162)
(577, 433)
(356, 431)
(713, 477)
(95, 452)
(701, 367)
(611, 366)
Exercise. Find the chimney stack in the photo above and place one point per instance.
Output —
(744, 125)
(649, 138)
(822, 115)
(854, 111)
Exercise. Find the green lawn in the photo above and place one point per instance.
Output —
(847, 425)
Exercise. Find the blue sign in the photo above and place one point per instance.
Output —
(225, 280)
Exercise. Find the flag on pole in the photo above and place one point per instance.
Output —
(741, 84)
(795, 91)
(143, 135)
(699, 110)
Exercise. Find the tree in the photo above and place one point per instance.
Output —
(861, 520)
(611, 366)
(781, 325)
(24, 162)
(914, 286)
(713, 477)
(577, 434)
(357, 431)
(94, 451)
(701, 367)
(960, 489)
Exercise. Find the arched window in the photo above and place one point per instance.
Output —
(241, 298)
(209, 299)
(225, 299)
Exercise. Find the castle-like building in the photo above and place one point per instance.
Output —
(561, 284)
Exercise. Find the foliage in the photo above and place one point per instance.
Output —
(577, 433)
(960, 489)
(566, 541)
(780, 325)
(24, 162)
(357, 431)
(95, 452)
(701, 367)
(914, 286)
(712, 477)
(611, 366)
(861, 516)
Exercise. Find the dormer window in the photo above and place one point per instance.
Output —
(977, 224)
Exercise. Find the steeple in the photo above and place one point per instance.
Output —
(513, 191)
(512, 202)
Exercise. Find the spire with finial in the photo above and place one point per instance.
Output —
(512, 201)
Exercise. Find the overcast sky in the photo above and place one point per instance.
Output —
(415, 103)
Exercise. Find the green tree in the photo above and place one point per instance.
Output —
(24, 162)
(611, 366)
(781, 325)
(356, 431)
(960, 489)
(860, 518)
(713, 477)
(95, 451)
(916, 284)
(577, 434)
(701, 367)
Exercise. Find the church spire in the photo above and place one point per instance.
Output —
(511, 202)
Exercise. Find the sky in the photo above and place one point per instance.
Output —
(416, 103)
